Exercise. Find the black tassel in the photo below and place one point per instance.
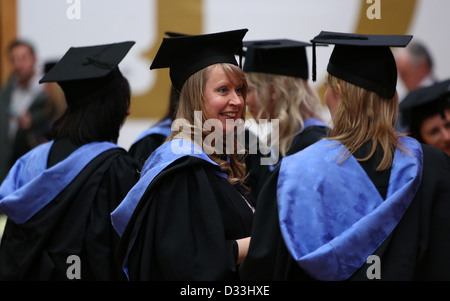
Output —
(314, 75)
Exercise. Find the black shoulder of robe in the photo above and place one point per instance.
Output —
(307, 137)
(185, 226)
(258, 174)
(417, 249)
(143, 148)
(77, 222)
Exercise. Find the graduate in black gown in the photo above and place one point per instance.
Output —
(365, 203)
(152, 138)
(59, 196)
(426, 115)
(277, 74)
(188, 217)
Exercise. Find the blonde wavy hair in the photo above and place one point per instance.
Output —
(192, 98)
(363, 116)
(293, 103)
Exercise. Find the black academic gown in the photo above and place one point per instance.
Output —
(185, 226)
(143, 148)
(258, 173)
(77, 222)
(417, 249)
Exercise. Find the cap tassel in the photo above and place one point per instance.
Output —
(314, 75)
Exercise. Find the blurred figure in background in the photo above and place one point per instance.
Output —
(415, 69)
(426, 115)
(415, 66)
(23, 107)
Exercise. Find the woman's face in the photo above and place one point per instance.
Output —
(435, 131)
(224, 98)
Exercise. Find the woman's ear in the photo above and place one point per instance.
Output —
(338, 91)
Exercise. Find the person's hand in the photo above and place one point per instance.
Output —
(243, 245)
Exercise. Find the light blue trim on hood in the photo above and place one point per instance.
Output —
(332, 216)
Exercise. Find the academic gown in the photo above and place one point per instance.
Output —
(181, 220)
(37, 242)
(416, 249)
(258, 173)
(149, 140)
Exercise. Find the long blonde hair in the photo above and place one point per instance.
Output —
(192, 98)
(363, 116)
(293, 103)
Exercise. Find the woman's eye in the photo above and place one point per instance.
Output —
(433, 132)
(222, 90)
(239, 90)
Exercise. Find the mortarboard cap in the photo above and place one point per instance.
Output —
(281, 57)
(363, 60)
(174, 34)
(187, 54)
(49, 65)
(426, 95)
(83, 72)
(424, 101)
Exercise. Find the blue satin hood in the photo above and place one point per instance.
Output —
(162, 157)
(331, 215)
(30, 185)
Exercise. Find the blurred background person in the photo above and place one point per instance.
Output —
(415, 67)
(426, 115)
(23, 107)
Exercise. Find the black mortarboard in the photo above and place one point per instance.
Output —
(185, 55)
(83, 72)
(426, 95)
(174, 34)
(363, 60)
(426, 101)
(281, 57)
(49, 65)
